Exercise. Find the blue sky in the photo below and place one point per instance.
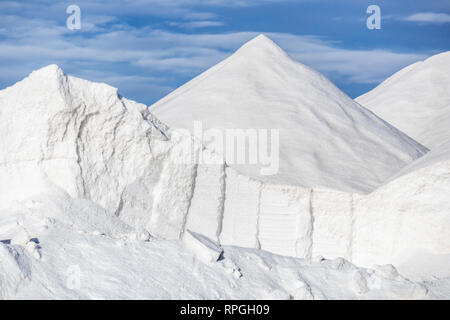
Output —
(148, 48)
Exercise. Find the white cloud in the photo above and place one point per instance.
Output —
(359, 66)
(197, 24)
(429, 17)
(145, 59)
(179, 53)
(186, 9)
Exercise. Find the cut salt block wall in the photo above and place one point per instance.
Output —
(285, 223)
(207, 205)
(288, 220)
(386, 226)
(240, 216)
(332, 213)
(173, 194)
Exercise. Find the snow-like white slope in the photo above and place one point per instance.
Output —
(432, 158)
(58, 260)
(86, 139)
(407, 222)
(416, 100)
(413, 206)
(326, 139)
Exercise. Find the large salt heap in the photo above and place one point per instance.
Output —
(416, 100)
(326, 139)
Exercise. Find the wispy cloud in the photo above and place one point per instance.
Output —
(189, 54)
(146, 62)
(359, 66)
(197, 24)
(428, 17)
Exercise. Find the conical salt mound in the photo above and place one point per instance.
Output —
(416, 100)
(326, 139)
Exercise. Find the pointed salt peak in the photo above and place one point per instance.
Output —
(261, 42)
(261, 38)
